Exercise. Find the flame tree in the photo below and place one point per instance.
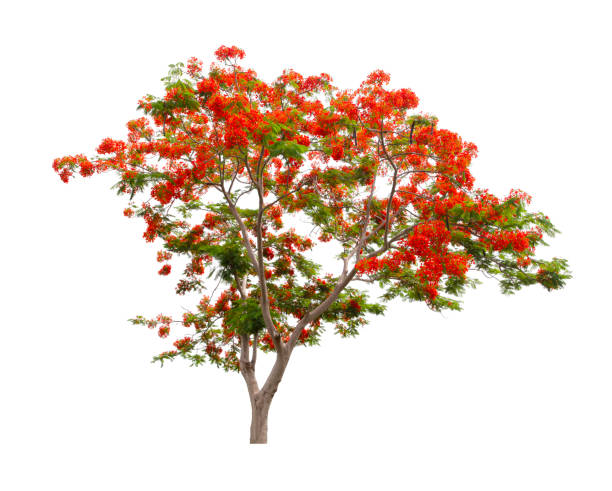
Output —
(231, 165)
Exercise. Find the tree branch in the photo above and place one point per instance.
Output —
(243, 229)
(260, 265)
(254, 355)
(393, 186)
(366, 222)
(247, 368)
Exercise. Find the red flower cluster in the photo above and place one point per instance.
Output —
(213, 349)
(223, 53)
(163, 256)
(182, 344)
(109, 145)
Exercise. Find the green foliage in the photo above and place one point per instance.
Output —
(316, 209)
(245, 317)
(289, 149)
(553, 274)
(348, 312)
(186, 209)
(305, 266)
(420, 120)
(231, 257)
(138, 181)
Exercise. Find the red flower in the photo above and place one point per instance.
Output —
(337, 152)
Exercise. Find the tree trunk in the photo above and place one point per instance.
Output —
(260, 406)
(261, 399)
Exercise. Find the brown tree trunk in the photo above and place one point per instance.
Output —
(260, 406)
(261, 399)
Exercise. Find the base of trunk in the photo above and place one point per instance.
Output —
(259, 418)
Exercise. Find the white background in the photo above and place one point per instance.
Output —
(512, 393)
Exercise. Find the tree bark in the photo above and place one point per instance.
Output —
(261, 399)
(260, 405)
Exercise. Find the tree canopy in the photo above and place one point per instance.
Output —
(247, 179)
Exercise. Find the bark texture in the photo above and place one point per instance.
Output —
(260, 406)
